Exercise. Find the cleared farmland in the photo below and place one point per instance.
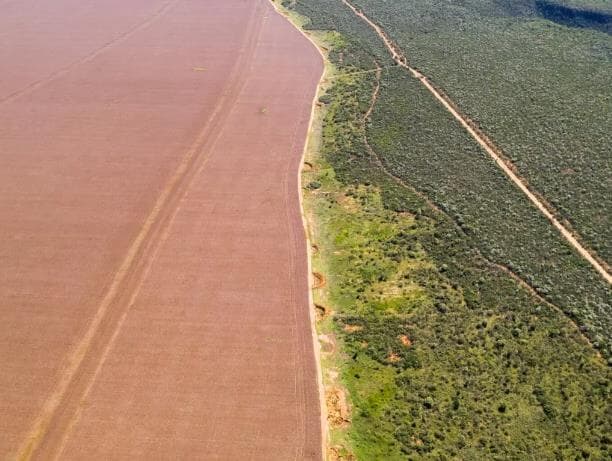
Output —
(154, 271)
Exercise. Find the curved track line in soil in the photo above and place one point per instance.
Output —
(532, 291)
(494, 152)
(150, 259)
(361, 72)
(160, 12)
(499, 267)
(56, 452)
(87, 355)
(302, 346)
(373, 99)
(298, 383)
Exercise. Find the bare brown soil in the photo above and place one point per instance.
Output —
(328, 343)
(338, 414)
(406, 341)
(336, 454)
(492, 150)
(318, 280)
(142, 195)
(352, 328)
(322, 312)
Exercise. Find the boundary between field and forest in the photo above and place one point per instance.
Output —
(334, 397)
(311, 282)
(343, 404)
(490, 148)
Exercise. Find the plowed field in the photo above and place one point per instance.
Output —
(153, 264)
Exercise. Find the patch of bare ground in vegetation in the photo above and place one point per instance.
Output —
(318, 280)
(339, 454)
(322, 312)
(338, 413)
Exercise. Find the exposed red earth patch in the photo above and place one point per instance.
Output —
(318, 280)
(154, 277)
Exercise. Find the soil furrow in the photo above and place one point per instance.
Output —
(89, 57)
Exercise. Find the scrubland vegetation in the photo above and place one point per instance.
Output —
(539, 89)
(420, 143)
(463, 318)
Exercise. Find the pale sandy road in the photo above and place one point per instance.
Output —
(250, 186)
(487, 145)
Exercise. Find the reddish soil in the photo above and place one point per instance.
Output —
(154, 277)
(319, 280)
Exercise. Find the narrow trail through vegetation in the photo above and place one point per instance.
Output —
(496, 266)
(493, 151)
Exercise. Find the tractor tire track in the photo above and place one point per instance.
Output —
(91, 56)
(48, 431)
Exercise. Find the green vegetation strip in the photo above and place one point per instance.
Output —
(491, 149)
(419, 142)
(445, 353)
(443, 356)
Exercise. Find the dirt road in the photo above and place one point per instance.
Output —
(493, 151)
(154, 273)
